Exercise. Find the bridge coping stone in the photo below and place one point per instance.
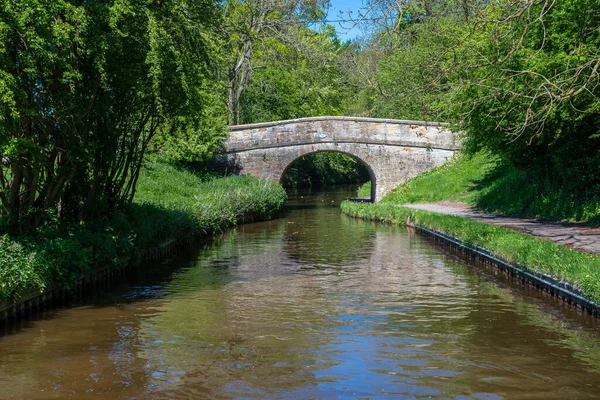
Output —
(334, 118)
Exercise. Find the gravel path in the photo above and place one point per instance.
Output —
(577, 236)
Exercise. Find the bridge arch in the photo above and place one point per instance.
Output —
(372, 176)
(392, 150)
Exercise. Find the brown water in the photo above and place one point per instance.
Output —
(313, 305)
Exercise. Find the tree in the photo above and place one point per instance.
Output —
(84, 86)
(250, 24)
(520, 78)
(398, 71)
(297, 79)
(533, 77)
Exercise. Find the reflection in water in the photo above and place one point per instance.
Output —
(314, 305)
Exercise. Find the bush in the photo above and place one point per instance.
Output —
(19, 269)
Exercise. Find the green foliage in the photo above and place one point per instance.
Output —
(399, 71)
(59, 256)
(172, 204)
(537, 255)
(258, 35)
(84, 86)
(325, 168)
(395, 76)
(294, 81)
(214, 203)
(364, 191)
(533, 97)
(537, 196)
(376, 212)
(19, 269)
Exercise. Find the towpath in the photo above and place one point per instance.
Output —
(577, 236)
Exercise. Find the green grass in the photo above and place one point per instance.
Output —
(456, 180)
(513, 191)
(537, 255)
(486, 182)
(214, 203)
(171, 203)
(364, 191)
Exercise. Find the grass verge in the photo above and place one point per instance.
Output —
(488, 183)
(537, 255)
(171, 203)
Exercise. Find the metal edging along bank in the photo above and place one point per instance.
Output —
(560, 289)
(36, 302)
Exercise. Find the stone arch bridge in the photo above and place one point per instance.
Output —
(391, 150)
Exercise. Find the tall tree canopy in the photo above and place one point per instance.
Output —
(252, 26)
(84, 86)
(298, 79)
(528, 81)
(520, 78)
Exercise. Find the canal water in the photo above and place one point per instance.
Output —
(312, 305)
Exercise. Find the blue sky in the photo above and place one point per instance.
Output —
(344, 6)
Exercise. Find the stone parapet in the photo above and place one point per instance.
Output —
(391, 150)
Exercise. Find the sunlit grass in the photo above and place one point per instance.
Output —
(364, 190)
(456, 180)
(213, 202)
(486, 182)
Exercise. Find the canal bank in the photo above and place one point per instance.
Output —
(172, 206)
(33, 304)
(311, 305)
(577, 236)
(560, 271)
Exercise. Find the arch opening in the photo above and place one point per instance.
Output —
(322, 168)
